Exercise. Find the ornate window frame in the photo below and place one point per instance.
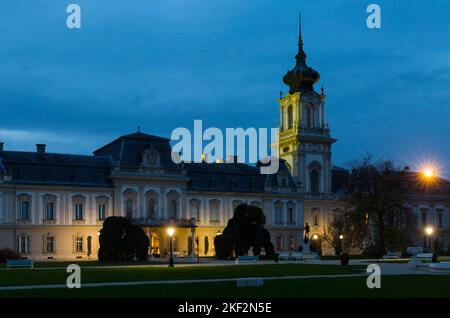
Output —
(214, 211)
(24, 197)
(173, 197)
(101, 200)
(79, 200)
(150, 196)
(48, 199)
(195, 203)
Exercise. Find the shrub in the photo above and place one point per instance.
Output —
(345, 259)
(7, 253)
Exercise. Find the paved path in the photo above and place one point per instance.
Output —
(179, 281)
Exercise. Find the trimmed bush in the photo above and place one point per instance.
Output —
(7, 253)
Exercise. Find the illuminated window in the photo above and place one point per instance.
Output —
(24, 244)
(290, 117)
(79, 211)
(78, 244)
(50, 211)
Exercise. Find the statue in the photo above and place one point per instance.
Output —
(306, 233)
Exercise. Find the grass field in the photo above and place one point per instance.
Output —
(91, 275)
(352, 287)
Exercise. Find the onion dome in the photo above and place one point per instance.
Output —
(302, 77)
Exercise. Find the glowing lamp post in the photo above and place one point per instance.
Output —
(170, 232)
(429, 231)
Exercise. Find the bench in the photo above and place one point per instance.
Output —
(427, 256)
(283, 256)
(392, 255)
(246, 259)
(22, 263)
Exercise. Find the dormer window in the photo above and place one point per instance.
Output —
(151, 158)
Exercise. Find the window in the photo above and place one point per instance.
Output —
(423, 213)
(24, 210)
(279, 243)
(214, 210)
(50, 211)
(206, 245)
(49, 246)
(151, 209)
(316, 219)
(173, 199)
(278, 214)
(283, 181)
(290, 117)
(309, 117)
(314, 181)
(101, 211)
(24, 244)
(291, 243)
(78, 244)
(129, 208)
(440, 219)
(195, 209)
(282, 120)
(173, 209)
(290, 215)
(79, 211)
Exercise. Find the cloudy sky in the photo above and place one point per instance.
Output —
(161, 64)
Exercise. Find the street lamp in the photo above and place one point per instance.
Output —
(341, 237)
(429, 231)
(315, 237)
(170, 232)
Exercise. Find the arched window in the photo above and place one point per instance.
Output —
(151, 209)
(314, 182)
(290, 117)
(278, 217)
(129, 203)
(214, 206)
(129, 208)
(173, 209)
(282, 119)
(195, 208)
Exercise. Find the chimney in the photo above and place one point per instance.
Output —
(1, 146)
(40, 148)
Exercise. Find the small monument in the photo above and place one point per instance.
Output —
(306, 252)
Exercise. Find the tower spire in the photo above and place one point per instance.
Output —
(301, 55)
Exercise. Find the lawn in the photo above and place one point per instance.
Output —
(422, 286)
(151, 273)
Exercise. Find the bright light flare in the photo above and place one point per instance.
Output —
(170, 231)
(428, 172)
(429, 230)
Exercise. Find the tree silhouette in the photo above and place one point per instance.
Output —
(244, 231)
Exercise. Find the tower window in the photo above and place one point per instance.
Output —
(314, 182)
(290, 117)
(310, 118)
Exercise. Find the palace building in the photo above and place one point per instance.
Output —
(52, 206)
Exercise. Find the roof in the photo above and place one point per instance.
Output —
(234, 177)
(52, 168)
(127, 151)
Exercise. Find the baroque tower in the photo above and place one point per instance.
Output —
(304, 138)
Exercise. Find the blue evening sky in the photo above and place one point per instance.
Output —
(161, 64)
